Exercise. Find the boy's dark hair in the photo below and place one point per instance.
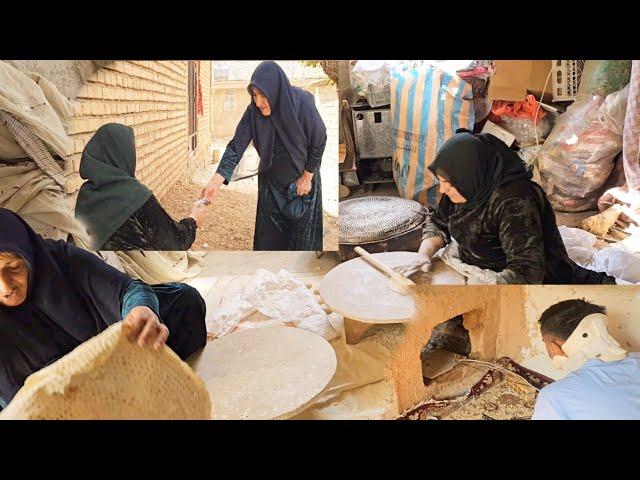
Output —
(561, 319)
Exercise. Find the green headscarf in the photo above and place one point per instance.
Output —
(112, 193)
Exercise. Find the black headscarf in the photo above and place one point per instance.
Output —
(72, 296)
(476, 165)
(293, 115)
(112, 193)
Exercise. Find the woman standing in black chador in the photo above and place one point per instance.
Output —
(501, 219)
(287, 131)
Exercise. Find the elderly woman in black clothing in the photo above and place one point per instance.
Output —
(54, 296)
(119, 212)
(287, 131)
(501, 219)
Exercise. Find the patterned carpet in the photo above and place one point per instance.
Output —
(497, 396)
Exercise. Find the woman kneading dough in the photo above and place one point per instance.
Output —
(501, 219)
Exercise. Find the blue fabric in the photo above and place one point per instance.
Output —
(295, 206)
(275, 232)
(293, 115)
(228, 162)
(427, 106)
(597, 391)
(139, 294)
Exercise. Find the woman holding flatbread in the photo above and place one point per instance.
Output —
(501, 219)
(117, 210)
(54, 296)
(287, 131)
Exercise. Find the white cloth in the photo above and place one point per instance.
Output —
(161, 267)
(620, 260)
(280, 297)
(588, 341)
(475, 275)
(40, 201)
(36, 102)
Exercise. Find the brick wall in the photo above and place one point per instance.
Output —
(152, 98)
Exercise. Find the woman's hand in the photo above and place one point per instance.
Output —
(197, 212)
(303, 184)
(210, 191)
(428, 248)
(143, 326)
(422, 264)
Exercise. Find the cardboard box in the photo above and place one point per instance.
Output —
(513, 79)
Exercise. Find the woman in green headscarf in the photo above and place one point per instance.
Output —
(118, 211)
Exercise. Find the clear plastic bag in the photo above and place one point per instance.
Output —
(525, 130)
(526, 120)
(577, 159)
(612, 112)
(529, 155)
(371, 75)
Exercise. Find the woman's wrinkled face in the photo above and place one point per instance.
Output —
(14, 280)
(261, 101)
(446, 188)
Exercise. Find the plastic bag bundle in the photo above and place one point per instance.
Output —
(370, 75)
(527, 120)
(578, 158)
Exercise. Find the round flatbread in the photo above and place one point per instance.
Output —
(359, 291)
(265, 373)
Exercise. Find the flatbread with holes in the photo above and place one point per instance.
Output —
(108, 377)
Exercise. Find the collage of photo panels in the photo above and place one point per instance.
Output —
(320, 239)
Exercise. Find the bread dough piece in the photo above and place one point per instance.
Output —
(600, 224)
(265, 373)
(108, 377)
(357, 290)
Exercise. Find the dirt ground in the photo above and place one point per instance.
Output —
(231, 218)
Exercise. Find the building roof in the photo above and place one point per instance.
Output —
(295, 70)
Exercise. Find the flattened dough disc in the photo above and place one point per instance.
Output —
(264, 373)
(359, 291)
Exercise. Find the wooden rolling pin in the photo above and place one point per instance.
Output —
(397, 282)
